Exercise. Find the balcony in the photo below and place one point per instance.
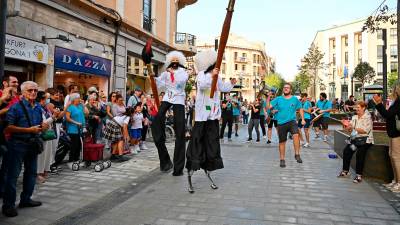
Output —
(241, 60)
(186, 43)
(183, 3)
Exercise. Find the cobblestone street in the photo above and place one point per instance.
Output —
(253, 189)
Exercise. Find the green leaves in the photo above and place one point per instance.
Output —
(364, 73)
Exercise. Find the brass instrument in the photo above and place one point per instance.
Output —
(264, 89)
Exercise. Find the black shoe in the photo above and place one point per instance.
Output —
(249, 139)
(167, 168)
(298, 159)
(122, 158)
(236, 135)
(282, 163)
(31, 203)
(258, 140)
(114, 157)
(9, 212)
(177, 174)
(268, 142)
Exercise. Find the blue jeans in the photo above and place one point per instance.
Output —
(19, 152)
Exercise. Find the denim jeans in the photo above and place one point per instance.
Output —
(19, 153)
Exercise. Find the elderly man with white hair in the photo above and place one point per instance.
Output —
(25, 122)
(173, 82)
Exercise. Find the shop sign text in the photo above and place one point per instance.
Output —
(81, 62)
(27, 50)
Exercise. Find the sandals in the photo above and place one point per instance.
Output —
(343, 174)
(357, 179)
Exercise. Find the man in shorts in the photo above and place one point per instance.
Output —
(306, 105)
(323, 106)
(285, 108)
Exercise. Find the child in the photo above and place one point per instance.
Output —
(135, 131)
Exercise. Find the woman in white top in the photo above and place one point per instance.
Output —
(116, 132)
(360, 126)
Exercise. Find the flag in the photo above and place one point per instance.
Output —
(345, 72)
(340, 72)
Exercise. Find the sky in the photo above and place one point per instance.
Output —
(286, 26)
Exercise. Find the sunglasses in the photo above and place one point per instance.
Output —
(32, 90)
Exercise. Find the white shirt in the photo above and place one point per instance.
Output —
(137, 121)
(174, 91)
(365, 123)
(205, 107)
(122, 120)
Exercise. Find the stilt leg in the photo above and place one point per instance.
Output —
(190, 188)
(213, 186)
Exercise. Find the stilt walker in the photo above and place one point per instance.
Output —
(204, 150)
(173, 81)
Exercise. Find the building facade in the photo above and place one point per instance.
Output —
(245, 60)
(91, 43)
(344, 47)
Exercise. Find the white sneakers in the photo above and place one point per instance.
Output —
(326, 138)
(134, 149)
(143, 146)
(306, 145)
(393, 186)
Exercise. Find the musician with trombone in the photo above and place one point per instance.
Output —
(322, 114)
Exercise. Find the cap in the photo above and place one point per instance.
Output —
(92, 89)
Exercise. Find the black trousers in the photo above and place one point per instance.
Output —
(262, 124)
(360, 157)
(144, 132)
(158, 131)
(225, 121)
(204, 150)
(76, 147)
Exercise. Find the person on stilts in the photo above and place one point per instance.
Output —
(173, 80)
(204, 150)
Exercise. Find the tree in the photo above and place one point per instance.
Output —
(364, 73)
(274, 80)
(301, 82)
(189, 85)
(383, 15)
(310, 64)
(392, 77)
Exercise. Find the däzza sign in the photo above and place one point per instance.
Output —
(77, 61)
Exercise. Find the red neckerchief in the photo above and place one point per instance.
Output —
(172, 76)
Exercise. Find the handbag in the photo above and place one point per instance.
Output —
(360, 140)
(48, 135)
(34, 141)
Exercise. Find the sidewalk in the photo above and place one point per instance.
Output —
(69, 191)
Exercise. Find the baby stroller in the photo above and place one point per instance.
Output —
(64, 146)
(92, 153)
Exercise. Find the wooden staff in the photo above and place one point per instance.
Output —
(147, 54)
(223, 40)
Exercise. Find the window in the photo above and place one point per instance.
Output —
(254, 58)
(393, 67)
(147, 22)
(258, 59)
(379, 51)
(244, 55)
(379, 34)
(223, 68)
(334, 59)
(243, 67)
(136, 62)
(393, 33)
(393, 51)
(236, 66)
(346, 58)
(333, 43)
(254, 70)
(137, 71)
(359, 57)
(334, 73)
(346, 41)
(379, 68)
(359, 38)
(236, 55)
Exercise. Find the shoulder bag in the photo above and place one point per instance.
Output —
(34, 141)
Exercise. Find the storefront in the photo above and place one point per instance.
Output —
(25, 59)
(85, 70)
